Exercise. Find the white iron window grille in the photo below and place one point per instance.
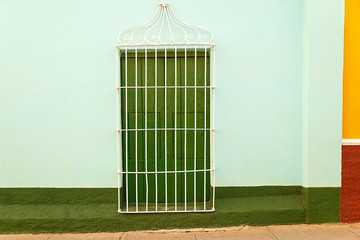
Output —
(165, 75)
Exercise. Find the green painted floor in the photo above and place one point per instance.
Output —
(80, 215)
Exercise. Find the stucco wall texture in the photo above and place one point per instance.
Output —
(350, 184)
(351, 113)
(278, 89)
(350, 191)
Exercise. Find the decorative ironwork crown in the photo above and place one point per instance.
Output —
(165, 28)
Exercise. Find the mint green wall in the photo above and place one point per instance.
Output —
(322, 95)
(57, 89)
(258, 98)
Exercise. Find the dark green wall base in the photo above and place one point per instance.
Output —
(36, 210)
(149, 222)
(322, 205)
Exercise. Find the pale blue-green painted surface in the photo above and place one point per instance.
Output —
(57, 90)
(323, 65)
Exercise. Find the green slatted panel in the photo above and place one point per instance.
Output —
(170, 118)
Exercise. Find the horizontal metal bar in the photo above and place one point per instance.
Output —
(166, 129)
(171, 211)
(177, 171)
(170, 53)
(134, 87)
(165, 45)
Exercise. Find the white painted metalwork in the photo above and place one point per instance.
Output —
(165, 28)
(166, 34)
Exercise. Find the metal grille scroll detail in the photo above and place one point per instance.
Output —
(165, 75)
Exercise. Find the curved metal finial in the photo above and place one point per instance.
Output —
(165, 4)
(165, 28)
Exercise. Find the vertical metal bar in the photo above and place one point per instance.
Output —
(136, 132)
(175, 133)
(195, 134)
(146, 143)
(205, 172)
(165, 89)
(185, 88)
(213, 127)
(118, 117)
(156, 157)
(127, 132)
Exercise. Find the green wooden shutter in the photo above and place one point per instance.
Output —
(170, 122)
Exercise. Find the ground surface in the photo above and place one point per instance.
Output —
(284, 232)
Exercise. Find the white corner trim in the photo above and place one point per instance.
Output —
(351, 141)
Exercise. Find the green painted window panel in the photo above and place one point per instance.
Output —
(170, 121)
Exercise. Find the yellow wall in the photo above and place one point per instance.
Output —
(351, 112)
